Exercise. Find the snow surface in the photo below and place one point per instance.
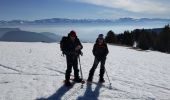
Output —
(35, 71)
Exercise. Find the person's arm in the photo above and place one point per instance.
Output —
(79, 46)
(66, 50)
(79, 43)
(107, 51)
(94, 50)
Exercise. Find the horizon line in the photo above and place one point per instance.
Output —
(85, 18)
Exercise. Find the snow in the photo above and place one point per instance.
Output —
(35, 71)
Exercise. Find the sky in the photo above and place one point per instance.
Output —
(80, 9)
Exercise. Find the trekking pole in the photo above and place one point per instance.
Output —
(108, 78)
(80, 69)
(81, 72)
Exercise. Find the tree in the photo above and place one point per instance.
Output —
(144, 40)
(154, 40)
(119, 39)
(110, 37)
(164, 39)
(136, 33)
(128, 38)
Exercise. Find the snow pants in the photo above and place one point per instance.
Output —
(72, 61)
(95, 64)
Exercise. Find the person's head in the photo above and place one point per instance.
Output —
(100, 39)
(72, 35)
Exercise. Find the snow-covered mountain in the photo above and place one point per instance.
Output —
(17, 35)
(5, 30)
(35, 71)
(65, 20)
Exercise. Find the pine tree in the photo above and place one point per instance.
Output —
(110, 37)
(128, 38)
(144, 40)
(164, 39)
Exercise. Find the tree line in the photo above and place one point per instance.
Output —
(142, 38)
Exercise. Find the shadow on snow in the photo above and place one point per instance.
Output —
(89, 93)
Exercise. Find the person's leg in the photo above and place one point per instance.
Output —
(69, 68)
(92, 70)
(102, 69)
(75, 67)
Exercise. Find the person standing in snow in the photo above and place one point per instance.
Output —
(72, 49)
(100, 51)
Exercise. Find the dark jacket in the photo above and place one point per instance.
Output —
(69, 47)
(100, 51)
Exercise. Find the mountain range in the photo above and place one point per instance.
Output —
(66, 20)
(15, 34)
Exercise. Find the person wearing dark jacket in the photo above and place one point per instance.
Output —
(72, 49)
(100, 51)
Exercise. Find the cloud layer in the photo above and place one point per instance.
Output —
(137, 6)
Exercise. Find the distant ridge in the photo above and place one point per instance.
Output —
(66, 20)
(17, 35)
(5, 30)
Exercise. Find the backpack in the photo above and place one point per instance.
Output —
(63, 43)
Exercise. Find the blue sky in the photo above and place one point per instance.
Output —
(105, 9)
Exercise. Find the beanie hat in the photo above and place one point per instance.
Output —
(100, 36)
(72, 33)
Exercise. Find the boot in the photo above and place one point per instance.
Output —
(68, 83)
(101, 80)
(89, 79)
(77, 80)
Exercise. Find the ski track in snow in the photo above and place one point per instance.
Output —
(35, 71)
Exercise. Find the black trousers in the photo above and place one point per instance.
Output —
(72, 61)
(95, 64)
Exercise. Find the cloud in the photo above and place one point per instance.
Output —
(137, 6)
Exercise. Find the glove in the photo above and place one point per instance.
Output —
(81, 53)
(78, 48)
